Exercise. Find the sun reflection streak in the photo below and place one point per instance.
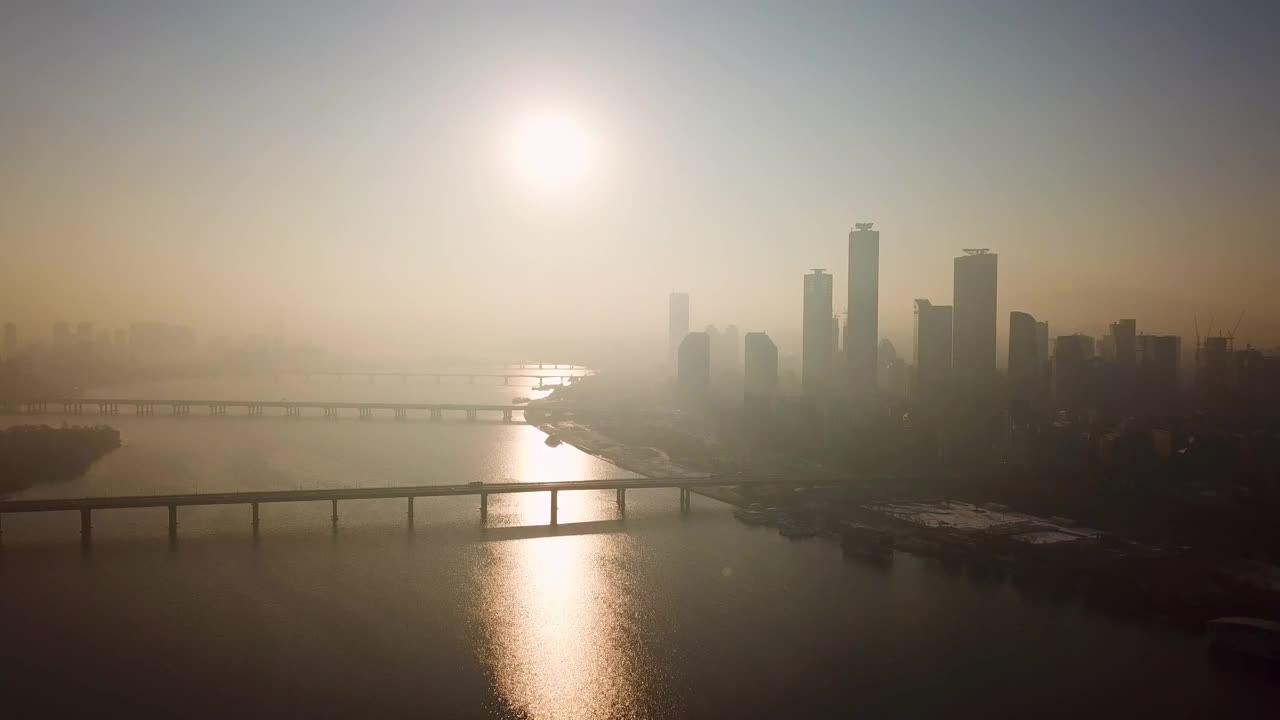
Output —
(560, 628)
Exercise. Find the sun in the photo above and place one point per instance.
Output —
(551, 150)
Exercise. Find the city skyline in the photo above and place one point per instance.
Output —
(1099, 187)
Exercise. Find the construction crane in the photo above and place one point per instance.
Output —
(1231, 337)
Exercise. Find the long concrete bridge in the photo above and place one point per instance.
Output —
(259, 408)
(508, 378)
(86, 505)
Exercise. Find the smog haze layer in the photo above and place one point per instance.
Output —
(391, 177)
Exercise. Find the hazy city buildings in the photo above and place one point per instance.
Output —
(760, 378)
(932, 355)
(677, 324)
(1042, 346)
(1124, 334)
(1024, 366)
(817, 350)
(1071, 360)
(1158, 358)
(863, 334)
(694, 364)
(973, 344)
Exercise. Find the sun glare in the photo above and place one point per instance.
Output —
(551, 150)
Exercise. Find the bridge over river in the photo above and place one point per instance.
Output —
(260, 408)
(86, 505)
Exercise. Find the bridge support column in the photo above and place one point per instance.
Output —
(622, 501)
(506, 416)
(335, 513)
(255, 516)
(410, 513)
(484, 508)
(471, 414)
(86, 525)
(173, 522)
(435, 413)
(555, 501)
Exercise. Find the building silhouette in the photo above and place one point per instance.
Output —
(694, 365)
(1024, 364)
(10, 346)
(677, 324)
(1158, 358)
(1072, 358)
(932, 355)
(730, 357)
(1042, 345)
(817, 343)
(863, 334)
(973, 343)
(760, 378)
(1124, 340)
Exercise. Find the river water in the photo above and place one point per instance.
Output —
(656, 615)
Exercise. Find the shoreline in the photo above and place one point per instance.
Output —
(642, 460)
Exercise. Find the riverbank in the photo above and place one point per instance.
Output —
(34, 454)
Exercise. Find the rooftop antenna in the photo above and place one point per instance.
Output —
(976, 251)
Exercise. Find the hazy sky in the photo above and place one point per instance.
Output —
(340, 171)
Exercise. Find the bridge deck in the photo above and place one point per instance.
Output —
(372, 493)
(274, 404)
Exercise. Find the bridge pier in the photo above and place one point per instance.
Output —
(506, 416)
(255, 516)
(331, 412)
(471, 414)
(335, 513)
(366, 412)
(622, 501)
(435, 413)
(173, 522)
(555, 497)
(410, 513)
(401, 413)
(685, 499)
(86, 525)
(484, 508)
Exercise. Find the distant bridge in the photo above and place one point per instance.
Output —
(86, 505)
(259, 408)
(507, 377)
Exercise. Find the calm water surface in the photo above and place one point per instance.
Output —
(658, 615)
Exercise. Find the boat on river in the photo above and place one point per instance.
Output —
(753, 515)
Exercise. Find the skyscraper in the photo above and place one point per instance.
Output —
(973, 344)
(1042, 345)
(677, 324)
(817, 343)
(732, 358)
(1157, 382)
(694, 365)
(760, 379)
(932, 356)
(863, 333)
(1071, 357)
(1124, 335)
(1024, 366)
(10, 347)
